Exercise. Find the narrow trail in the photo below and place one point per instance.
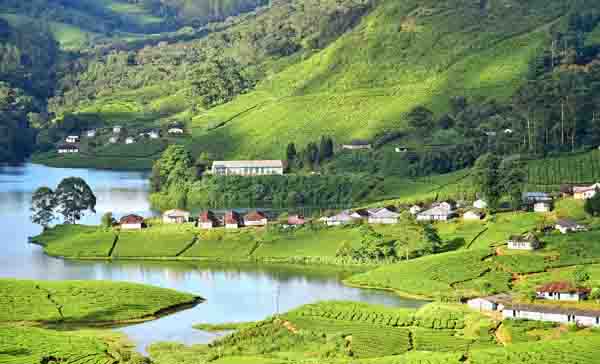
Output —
(477, 237)
(59, 307)
(114, 246)
(189, 246)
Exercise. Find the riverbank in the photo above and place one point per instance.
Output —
(335, 332)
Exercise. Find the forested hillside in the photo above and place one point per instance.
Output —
(449, 72)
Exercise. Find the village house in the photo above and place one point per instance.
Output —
(67, 149)
(562, 291)
(232, 220)
(523, 242)
(542, 206)
(72, 139)
(129, 140)
(401, 149)
(508, 131)
(113, 140)
(91, 133)
(116, 129)
(437, 213)
(343, 218)
(175, 216)
(175, 131)
(153, 134)
(585, 192)
(533, 197)
(383, 216)
(248, 168)
(490, 303)
(132, 222)
(296, 220)
(549, 313)
(473, 215)
(360, 214)
(566, 226)
(357, 145)
(255, 218)
(480, 204)
(415, 209)
(207, 220)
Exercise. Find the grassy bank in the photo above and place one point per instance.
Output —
(97, 162)
(339, 332)
(86, 302)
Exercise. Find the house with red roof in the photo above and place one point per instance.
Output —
(562, 291)
(132, 222)
(296, 220)
(207, 220)
(232, 220)
(255, 218)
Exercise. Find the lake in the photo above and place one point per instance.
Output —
(233, 292)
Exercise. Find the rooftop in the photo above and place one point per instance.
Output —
(131, 219)
(562, 287)
(251, 164)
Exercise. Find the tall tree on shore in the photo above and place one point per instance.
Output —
(291, 154)
(43, 204)
(325, 148)
(73, 198)
(487, 179)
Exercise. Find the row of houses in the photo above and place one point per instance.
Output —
(380, 215)
(554, 291)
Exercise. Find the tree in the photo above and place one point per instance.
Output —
(291, 154)
(487, 179)
(592, 205)
(421, 118)
(43, 204)
(73, 197)
(175, 165)
(108, 220)
(580, 275)
(595, 294)
(325, 148)
(311, 155)
(512, 177)
(204, 161)
(219, 81)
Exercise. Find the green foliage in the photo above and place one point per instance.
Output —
(592, 205)
(43, 203)
(581, 275)
(157, 241)
(76, 241)
(84, 301)
(74, 197)
(107, 220)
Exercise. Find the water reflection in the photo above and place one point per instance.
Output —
(233, 293)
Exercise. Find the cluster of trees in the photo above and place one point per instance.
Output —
(214, 67)
(417, 240)
(495, 178)
(312, 156)
(71, 199)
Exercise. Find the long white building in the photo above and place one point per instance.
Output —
(248, 168)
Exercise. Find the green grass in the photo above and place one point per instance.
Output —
(30, 345)
(76, 241)
(83, 302)
(223, 244)
(157, 241)
(429, 276)
(576, 168)
(88, 161)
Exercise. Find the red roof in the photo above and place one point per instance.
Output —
(131, 219)
(232, 217)
(207, 216)
(562, 287)
(255, 216)
(296, 220)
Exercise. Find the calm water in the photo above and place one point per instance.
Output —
(232, 293)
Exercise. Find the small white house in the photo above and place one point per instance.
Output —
(438, 213)
(489, 303)
(480, 204)
(542, 206)
(473, 216)
(508, 131)
(72, 139)
(523, 242)
(232, 220)
(566, 226)
(585, 192)
(207, 220)
(91, 133)
(562, 291)
(255, 218)
(154, 135)
(343, 218)
(401, 149)
(129, 140)
(117, 129)
(67, 149)
(113, 140)
(175, 131)
(176, 216)
(383, 216)
(357, 145)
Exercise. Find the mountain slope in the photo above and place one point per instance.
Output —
(403, 54)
